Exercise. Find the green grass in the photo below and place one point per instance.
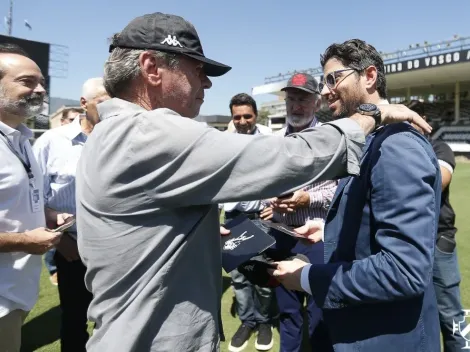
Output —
(41, 329)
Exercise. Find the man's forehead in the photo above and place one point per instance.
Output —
(18, 65)
(241, 109)
(333, 64)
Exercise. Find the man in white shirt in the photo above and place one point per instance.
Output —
(23, 237)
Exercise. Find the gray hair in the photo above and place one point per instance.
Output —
(122, 68)
(93, 88)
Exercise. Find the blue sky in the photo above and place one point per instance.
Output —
(258, 38)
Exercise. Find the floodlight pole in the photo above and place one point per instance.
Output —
(10, 19)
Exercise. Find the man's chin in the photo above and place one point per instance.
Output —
(33, 111)
(299, 122)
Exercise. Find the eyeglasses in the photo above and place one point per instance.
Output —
(330, 80)
(245, 116)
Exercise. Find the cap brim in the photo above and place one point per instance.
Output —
(301, 88)
(211, 67)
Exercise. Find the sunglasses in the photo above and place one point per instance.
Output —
(239, 117)
(331, 81)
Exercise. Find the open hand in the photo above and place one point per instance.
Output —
(312, 231)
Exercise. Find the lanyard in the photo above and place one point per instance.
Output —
(26, 164)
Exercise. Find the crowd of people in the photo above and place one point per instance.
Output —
(367, 195)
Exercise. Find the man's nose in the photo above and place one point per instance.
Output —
(39, 89)
(206, 82)
(325, 91)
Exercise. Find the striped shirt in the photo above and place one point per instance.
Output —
(321, 194)
(57, 152)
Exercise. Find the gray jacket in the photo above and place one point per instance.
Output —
(148, 185)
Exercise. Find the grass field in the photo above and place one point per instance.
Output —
(41, 329)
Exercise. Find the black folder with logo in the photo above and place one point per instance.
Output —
(245, 241)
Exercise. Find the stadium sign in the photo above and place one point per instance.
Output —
(454, 57)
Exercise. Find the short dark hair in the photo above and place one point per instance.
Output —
(416, 106)
(357, 54)
(243, 99)
(8, 48)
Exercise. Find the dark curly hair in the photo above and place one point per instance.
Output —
(359, 55)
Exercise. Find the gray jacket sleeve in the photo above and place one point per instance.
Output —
(187, 163)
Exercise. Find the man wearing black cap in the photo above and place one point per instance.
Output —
(311, 202)
(150, 178)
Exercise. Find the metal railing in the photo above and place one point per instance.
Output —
(414, 51)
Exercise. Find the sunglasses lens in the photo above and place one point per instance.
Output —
(330, 80)
(320, 87)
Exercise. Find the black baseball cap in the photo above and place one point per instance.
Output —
(166, 33)
(303, 81)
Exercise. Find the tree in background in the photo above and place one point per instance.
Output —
(262, 117)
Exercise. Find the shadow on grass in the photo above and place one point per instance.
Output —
(226, 282)
(41, 330)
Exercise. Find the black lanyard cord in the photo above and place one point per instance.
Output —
(26, 164)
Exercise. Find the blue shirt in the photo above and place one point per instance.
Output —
(57, 152)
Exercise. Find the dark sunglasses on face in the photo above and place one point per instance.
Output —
(330, 79)
(245, 116)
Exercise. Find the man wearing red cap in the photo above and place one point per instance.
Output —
(311, 202)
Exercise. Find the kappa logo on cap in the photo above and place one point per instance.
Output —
(171, 41)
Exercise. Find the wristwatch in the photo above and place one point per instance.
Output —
(371, 110)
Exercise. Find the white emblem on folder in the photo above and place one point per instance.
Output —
(230, 245)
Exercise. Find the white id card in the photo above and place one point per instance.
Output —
(35, 199)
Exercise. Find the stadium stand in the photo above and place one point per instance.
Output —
(437, 74)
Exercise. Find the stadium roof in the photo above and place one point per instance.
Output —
(425, 67)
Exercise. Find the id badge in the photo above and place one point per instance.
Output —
(35, 199)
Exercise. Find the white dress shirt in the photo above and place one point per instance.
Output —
(19, 272)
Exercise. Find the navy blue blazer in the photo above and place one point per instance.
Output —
(376, 287)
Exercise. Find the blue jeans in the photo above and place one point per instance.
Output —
(446, 278)
(253, 302)
(50, 262)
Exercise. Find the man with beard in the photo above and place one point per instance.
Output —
(375, 287)
(23, 237)
(311, 202)
(57, 152)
